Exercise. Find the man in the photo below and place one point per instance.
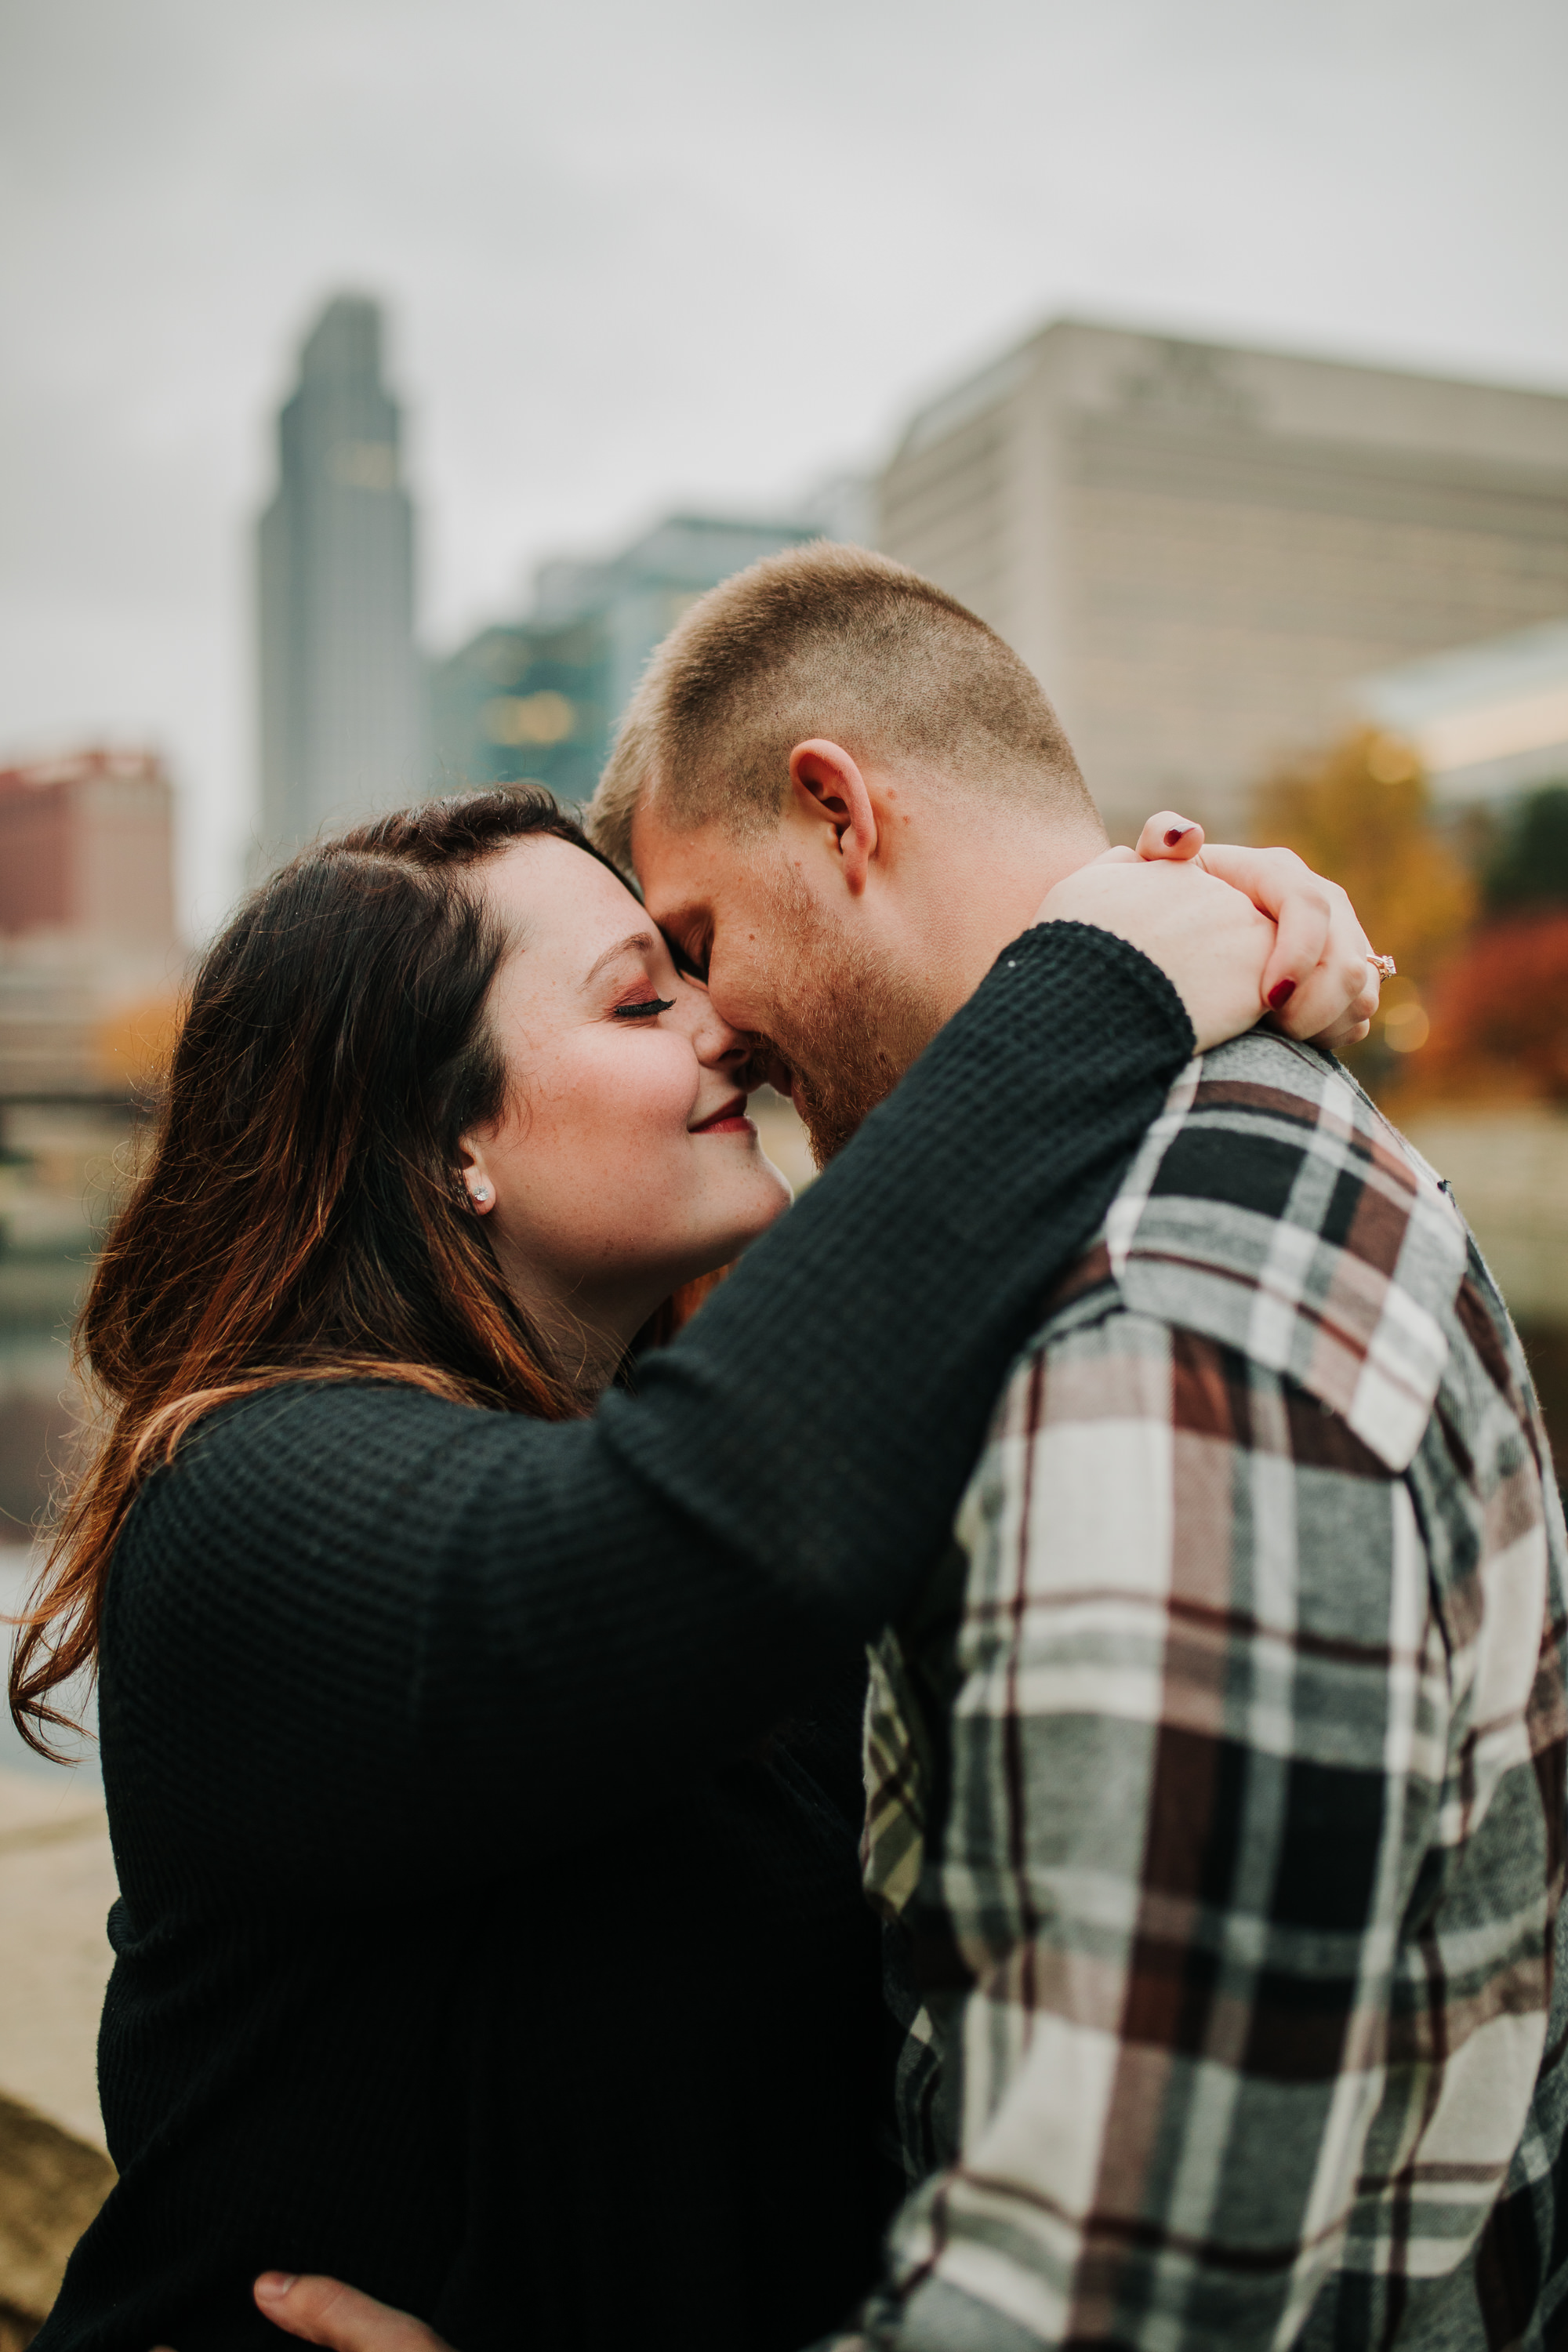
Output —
(1218, 1782)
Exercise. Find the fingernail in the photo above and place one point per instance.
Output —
(1176, 833)
(273, 2285)
(1281, 993)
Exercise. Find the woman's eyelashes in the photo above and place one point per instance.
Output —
(642, 1008)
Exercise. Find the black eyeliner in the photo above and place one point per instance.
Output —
(644, 1006)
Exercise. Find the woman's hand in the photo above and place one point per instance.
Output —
(1266, 935)
(324, 2311)
(1320, 983)
(1208, 939)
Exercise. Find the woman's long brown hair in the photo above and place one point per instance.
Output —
(300, 1215)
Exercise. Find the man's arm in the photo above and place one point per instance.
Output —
(1200, 1694)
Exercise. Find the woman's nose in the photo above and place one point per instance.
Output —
(725, 1048)
(718, 1045)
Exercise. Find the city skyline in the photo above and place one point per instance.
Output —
(351, 696)
(635, 264)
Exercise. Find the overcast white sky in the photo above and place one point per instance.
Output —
(694, 252)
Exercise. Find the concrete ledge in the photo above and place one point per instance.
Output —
(51, 2185)
(57, 1885)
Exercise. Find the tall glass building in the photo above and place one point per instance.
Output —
(342, 703)
(541, 696)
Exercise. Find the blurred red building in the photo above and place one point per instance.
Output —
(87, 847)
(89, 961)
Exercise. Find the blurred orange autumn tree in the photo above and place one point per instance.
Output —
(135, 1043)
(1476, 1015)
(1358, 813)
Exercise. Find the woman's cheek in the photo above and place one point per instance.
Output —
(655, 1088)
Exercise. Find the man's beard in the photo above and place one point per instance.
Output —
(840, 1074)
(848, 1039)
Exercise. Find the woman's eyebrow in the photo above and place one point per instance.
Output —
(636, 943)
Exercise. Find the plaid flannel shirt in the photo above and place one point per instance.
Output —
(1219, 1781)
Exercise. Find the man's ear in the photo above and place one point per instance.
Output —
(829, 788)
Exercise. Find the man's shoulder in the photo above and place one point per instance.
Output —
(1273, 1209)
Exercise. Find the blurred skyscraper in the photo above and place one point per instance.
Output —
(342, 689)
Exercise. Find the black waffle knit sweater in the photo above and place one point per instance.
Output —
(482, 1939)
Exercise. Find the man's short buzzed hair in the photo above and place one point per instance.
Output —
(829, 641)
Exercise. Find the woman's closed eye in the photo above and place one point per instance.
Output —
(642, 1008)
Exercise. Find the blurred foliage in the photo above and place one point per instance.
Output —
(1475, 1013)
(1359, 813)
(1499, 1007)
(1528, 865)
(1499, 1018)
(134, 1044)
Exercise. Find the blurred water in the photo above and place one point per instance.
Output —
(18, 1567)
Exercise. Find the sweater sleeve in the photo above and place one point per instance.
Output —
(407, 1627)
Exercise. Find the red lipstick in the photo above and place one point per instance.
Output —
(729, 1118)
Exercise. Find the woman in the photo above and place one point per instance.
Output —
(480, 1765)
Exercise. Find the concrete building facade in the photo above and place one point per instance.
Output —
(342, 691)
(1489, 721)
(1199, 549)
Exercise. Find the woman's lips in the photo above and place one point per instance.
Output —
(729, 1119)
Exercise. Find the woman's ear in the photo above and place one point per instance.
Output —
(473, 1176)
(829, 788)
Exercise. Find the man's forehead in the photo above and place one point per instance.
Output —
(679, 872)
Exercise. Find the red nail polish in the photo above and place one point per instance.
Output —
(1281, 994)
(1177, 833)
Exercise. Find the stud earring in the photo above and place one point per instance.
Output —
(481, 1193)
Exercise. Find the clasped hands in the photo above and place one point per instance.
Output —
(1239, 932)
